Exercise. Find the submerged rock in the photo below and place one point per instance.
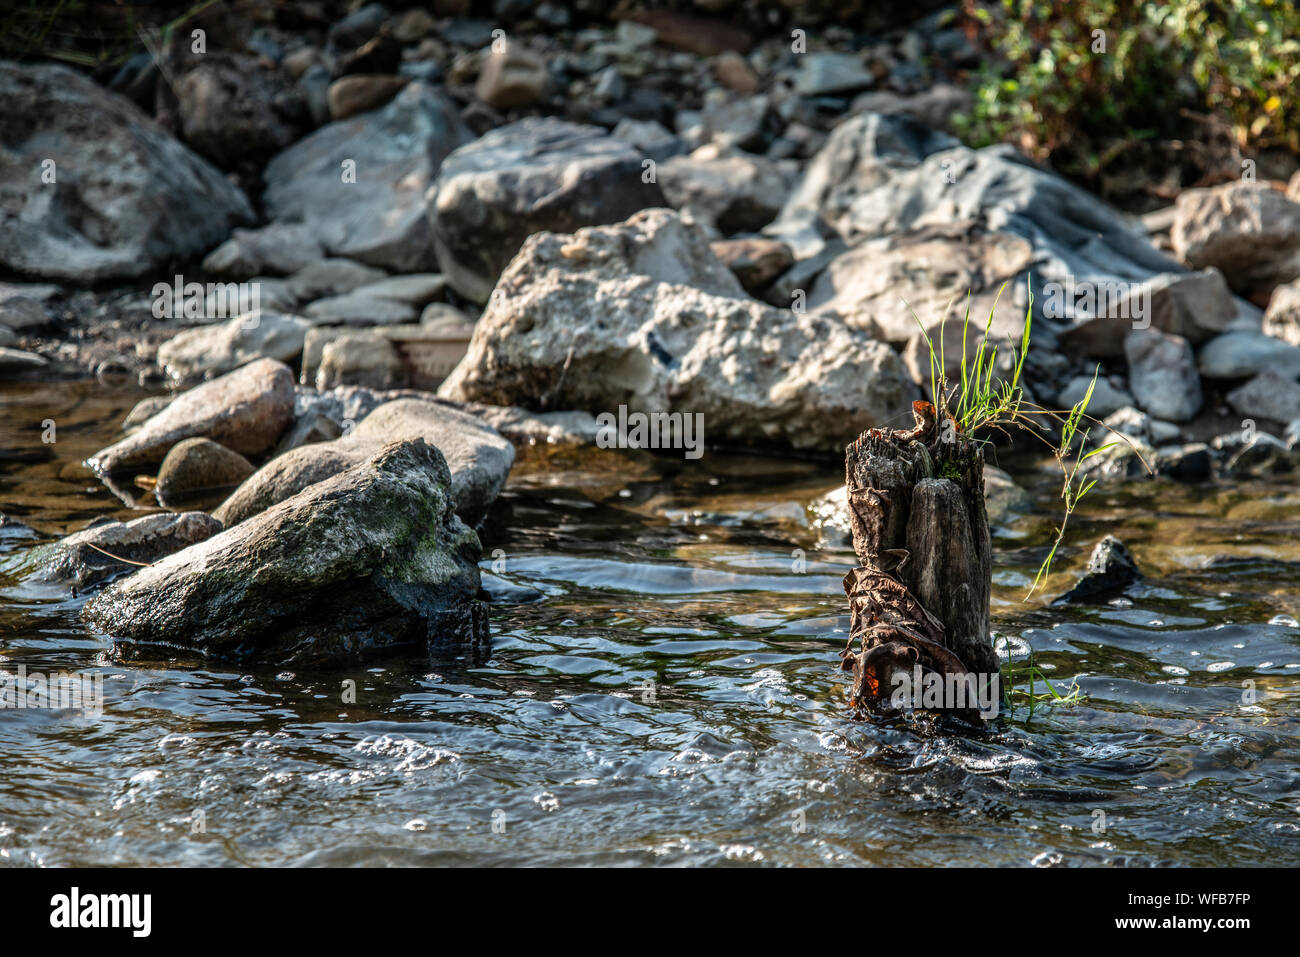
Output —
(245, 410)
(1111, 569)
(370, 559)
(112, 548)
(479, 458)
(643, 315)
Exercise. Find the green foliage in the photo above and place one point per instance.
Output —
(1020, 684)
(979, 404)
(1067, 92)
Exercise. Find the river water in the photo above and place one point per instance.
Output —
(662, 689)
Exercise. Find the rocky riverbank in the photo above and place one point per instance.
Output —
(364, 260)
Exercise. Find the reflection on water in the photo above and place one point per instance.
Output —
(663, 689)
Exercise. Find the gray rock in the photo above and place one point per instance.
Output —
(96, 554)
(829, 74)
(215, 350)
(926, 275)
(278, 248)
(520, 179)
(332, 277)
(7, 337)
(479, 458)
(1282, 318)
(416, 289)
(743, 123)
(308, 429)
(1127, 458)
(1111, 569)
(642, 314)
(880, 176)
(1162, 374)
(395, 152)
(1131, 421)
(1195, 305)
(245, 410)
(18, 360)
(196, 468)
(933, 107)
(1105, 400)
(730, 191)
(20, 313)
(1267, 396)
(360, 309)
(361, 359)
(368, 560)
(1250, 231)
(1242, 354)
(127, 198)
(653, 140)
(536, 428)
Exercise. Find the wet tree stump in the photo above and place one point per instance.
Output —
(919, 600)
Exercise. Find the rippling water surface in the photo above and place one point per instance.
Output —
(662, 689)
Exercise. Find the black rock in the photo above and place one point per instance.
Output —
(1111, 569)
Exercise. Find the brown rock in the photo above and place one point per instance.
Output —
(245, 410)
(734, 72)
(362, 92)
(701, 35)
(756, 262)
(197, 467)
(513, 78)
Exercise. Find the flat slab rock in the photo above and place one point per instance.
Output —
(369, 560)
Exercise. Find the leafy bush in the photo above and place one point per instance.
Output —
(1077, 82)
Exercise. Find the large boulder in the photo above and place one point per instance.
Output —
(91, 189)
(111, 548)
(1250, 231)
(477, 455)
(245, 410)
(879, 178)
(234, 106)
(643, 315)
(360, 182)
(370, 559)
(732, 191)
(536, 174)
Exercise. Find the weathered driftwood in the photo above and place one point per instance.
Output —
(919, 600)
